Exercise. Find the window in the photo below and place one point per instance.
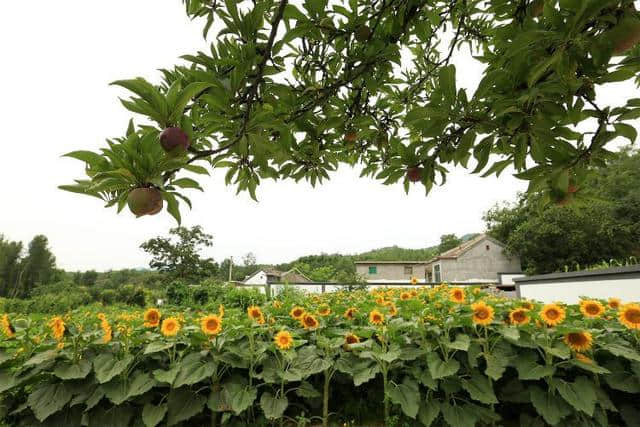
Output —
(487, 247)
(408, 269)
(436, 273)
(373, 269)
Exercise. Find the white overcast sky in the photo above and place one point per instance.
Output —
(57, 60)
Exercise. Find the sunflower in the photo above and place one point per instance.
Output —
(170, 327)
(482, 313)
(7, 328)
(276, 304)
(527, 305)
(351, 338)
(393, 310)
(591, 308)
(297, 313)
(283, 340)
(614, 303)
(350, 313)
(405, 296)
(324, 310)
(151, 318)
(254, 313)
(579, 341)
(376, 317)
(630, 316)
(107, 332)
(456, 295)
(519, 316)
(211, 325)
(584, 359)
(552, 314)
(414, 280)
(221, 311)
(380, 301)
(309, 321)
(57, 327)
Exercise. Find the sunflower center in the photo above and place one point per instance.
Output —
(553, 314)
(170, 326)
(592, 309)
(482, 314)
(577, 339)
(212, 324)
(633, 316)
(519, 316)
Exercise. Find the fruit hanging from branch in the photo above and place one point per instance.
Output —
(271, 96)
(145, 201)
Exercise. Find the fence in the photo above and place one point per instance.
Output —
(620, 282)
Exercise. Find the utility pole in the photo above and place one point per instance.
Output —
(230, 268)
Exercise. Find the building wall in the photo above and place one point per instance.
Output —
(391, 271)
(627, 289)
(480, 263)
(260, 278)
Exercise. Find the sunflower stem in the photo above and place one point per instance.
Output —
(325, 399)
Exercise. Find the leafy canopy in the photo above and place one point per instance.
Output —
(294, 89)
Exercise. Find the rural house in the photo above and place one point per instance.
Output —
(481, 259)
(270, 275)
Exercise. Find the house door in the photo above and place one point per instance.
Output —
(436, 273)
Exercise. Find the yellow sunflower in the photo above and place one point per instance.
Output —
(309, 321)
(297, 313)
(276, 304)
(211, 325)
(584, 359)
(254, 313)
(350, 313)
(405, 296)
(7, 328)
(614, 303)
(414, 280)
(221, 311)
(351, 339)
(456, 295)
(629, 316)
(324, 310)
(482, 313)
(591, 308)
(151, 318)
(376, 318)
(393, 310)
(519, 316)
(170, 327)
(527, 305)
(57, 328)
(107, 332)
(578, 341)
(283, 340)
(552, 314)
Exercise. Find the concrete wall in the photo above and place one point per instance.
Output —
(392, 271)
(478, 263)
(259, 278)
(620, 282)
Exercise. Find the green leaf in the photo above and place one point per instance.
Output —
(461, 342)
(429, 411)
(243, 398)
(627, 131)
(106, 366)
(496, 365)
(529, 369)
(458, 415)
(306, 389)
(622, 351)
(185, 96)
(580, 394)
(447, 79)
(48, 399)
(193, 372)
(407, 395)
(480, 389)
(440, 369)
(140, 384)
(166, 376)
(152, 415)
(549, 406)
(87, 156)
(183, 404)
(40, 358)
(73, 371)
(157, 346)
(186, 183)
(273, 408)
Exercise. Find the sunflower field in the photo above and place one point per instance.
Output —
(396, 357)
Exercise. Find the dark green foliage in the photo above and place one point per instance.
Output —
(448, 241)
(181, 259)
(20, 274)
(602, 224)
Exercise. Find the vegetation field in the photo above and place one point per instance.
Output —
(404, 357)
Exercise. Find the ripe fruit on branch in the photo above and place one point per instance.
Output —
(625, 35)
(414, 174)
(175, 141)
(145, 201)
(351, 136)
(363, 33)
